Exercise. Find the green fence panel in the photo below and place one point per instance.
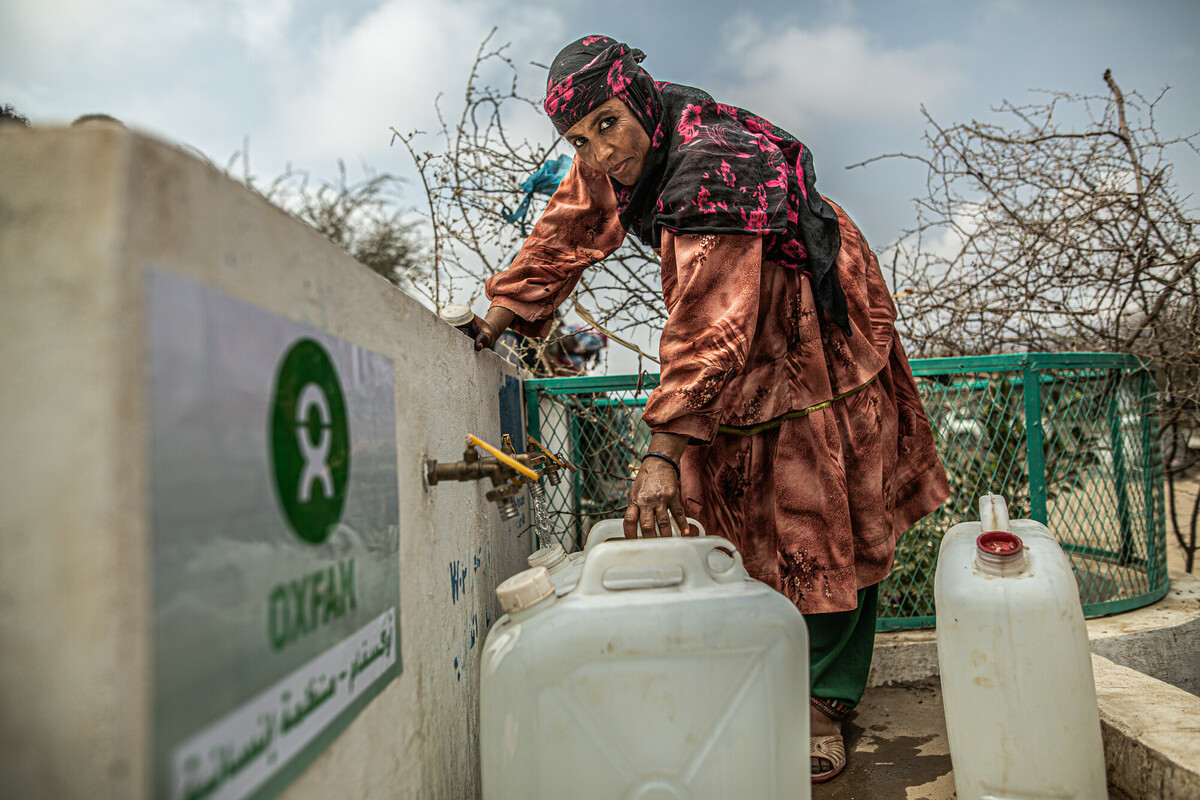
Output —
(1069, 439)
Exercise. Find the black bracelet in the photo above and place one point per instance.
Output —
(665, 458)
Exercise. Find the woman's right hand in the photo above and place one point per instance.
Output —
(489, 328)
(485, 336)
(655, 497)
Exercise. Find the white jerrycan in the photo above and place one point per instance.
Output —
(658, 677)
(1017, 684)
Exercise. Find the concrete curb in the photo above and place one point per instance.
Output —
(1151, 733)
(1161, 640)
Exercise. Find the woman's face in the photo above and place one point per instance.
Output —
(611, 140)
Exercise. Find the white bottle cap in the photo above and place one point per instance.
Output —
(524, 589)
(456, 314)
(549, 556)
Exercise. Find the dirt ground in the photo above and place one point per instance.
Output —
(896, 740)
(898, 750)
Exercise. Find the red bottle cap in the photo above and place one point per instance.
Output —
(999, 543)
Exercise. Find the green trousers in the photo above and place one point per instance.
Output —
(840, 646)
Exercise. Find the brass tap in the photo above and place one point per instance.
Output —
(508, 471)
(554, 463)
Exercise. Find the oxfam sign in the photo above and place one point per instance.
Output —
(310, 441)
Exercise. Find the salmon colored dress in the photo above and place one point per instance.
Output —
(810, 449)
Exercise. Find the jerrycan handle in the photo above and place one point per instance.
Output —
(608, 529)
(993, 513)
(688, 553)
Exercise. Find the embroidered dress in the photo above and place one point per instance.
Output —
(810, 447)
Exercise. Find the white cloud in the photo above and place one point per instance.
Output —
(1001, 11)
(800, 78)
(261, 24)
(117, 38)
(387, 70)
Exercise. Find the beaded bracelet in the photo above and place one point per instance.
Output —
(665, 458)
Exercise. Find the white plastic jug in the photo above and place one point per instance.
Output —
(1017, 684)
(658, 677)
(562, 567)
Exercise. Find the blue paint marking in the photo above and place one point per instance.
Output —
(511, 418)
(458, 581)
(472, 580)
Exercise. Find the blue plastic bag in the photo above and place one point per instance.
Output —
(544, 181)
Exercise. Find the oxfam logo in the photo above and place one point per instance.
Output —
(310, 441)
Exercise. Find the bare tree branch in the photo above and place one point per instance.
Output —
(1040, 234)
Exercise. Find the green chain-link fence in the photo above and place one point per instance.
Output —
(1069, 440)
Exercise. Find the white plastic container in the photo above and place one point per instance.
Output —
(657, 678)
(563, 568)
(1017, 684)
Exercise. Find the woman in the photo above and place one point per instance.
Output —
(787, 419)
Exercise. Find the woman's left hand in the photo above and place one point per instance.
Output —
(655, 496)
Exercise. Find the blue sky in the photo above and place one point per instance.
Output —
(310, 82)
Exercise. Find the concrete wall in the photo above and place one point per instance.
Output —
(83, 214)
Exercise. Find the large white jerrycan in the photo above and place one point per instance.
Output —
(1017, 684)
(659, 677)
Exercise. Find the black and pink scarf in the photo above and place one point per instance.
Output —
(712, 168)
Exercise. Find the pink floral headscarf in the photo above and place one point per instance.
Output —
(711, 168)
(590, 71)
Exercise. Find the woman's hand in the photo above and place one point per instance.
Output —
(489, 328)
(655, 497)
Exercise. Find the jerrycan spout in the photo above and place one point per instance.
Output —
(998, 551)
(993, 513)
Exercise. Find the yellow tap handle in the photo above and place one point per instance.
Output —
(503, 458)
(553, 457)
(507, 446)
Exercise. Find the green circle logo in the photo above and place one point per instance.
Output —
(310, 441)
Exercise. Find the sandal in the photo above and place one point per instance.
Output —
(831, 749)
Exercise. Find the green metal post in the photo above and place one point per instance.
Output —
(533, 411)
(1035, 458)
(577, 476)
(1117, 442)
